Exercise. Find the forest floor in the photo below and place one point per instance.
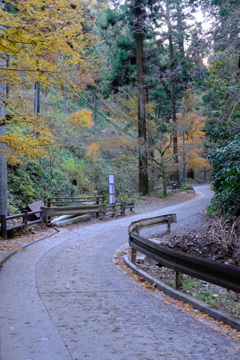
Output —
(210, 238)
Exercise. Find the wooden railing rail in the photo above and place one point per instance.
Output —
(25, 221)
(116, 209)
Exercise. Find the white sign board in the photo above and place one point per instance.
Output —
(111, 188)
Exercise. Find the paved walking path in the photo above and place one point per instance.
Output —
(65, 299)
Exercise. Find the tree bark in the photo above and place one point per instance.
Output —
(142, 131)
(3, 163)
(184, 164)
(172, 90)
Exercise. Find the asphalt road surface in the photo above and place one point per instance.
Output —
(64, 298)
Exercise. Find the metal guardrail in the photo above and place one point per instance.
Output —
(48, 212)
(135, 226)
(223, 275)
(100, 210)
(74, 200)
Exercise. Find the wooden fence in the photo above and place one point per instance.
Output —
(83, 205)
(25, 221)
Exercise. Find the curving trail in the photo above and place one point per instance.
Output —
(64, 298)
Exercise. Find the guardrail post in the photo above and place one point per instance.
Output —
(169, 225)
(4, 227)
(178, 280)
(134, 251)
(133, 255)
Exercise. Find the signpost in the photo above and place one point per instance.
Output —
(111, 188)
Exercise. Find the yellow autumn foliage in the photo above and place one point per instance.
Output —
(132, 110)
(44, 42)
(43, 38)
(19, 146)
(191, 126)
(116, 144)
(198, 161)
(82, 118)
(91, 152)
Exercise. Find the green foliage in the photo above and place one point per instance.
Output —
(186, 187)
(126, 196)
(22, 189)
(223, 110)
(66, 176)
(66, 169)
(188, 284)
(209, 298)
(163, 127)
(226, 178)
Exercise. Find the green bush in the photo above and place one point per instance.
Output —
(21, 189)
(226, 179)
(186, 188)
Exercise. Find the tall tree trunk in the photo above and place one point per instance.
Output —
(142, 132)
(172, 90)
(180, 27)
(184, 163)
(3, 164)
(180, 42)
(36, 103)
(164, 180)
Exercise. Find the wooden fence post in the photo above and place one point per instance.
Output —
(25, 217)
(114, 209)
(104, 211)
(48, 202)
(43, 216)
(123, 208)
(101, 211)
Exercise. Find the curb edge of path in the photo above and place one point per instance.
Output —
(199, 305)
(8, 256)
